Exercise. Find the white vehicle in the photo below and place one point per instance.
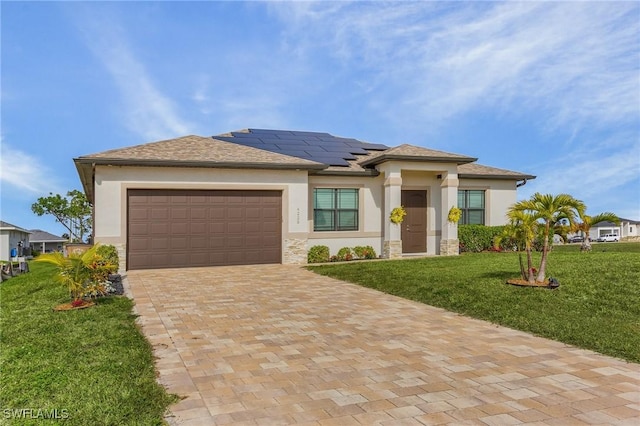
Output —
(608, 238)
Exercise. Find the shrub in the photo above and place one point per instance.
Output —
(344, 253)
(477, 238)
(364, 252)
(318, 254)
(109, 253)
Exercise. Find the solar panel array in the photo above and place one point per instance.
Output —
(316, 146)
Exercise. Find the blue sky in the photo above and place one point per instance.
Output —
(549, 89)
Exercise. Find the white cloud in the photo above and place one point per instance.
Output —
(21, 171)
(571, 62)
(148, 112)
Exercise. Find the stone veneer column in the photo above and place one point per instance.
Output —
(392, 245)
(449, 243)
(295, 251)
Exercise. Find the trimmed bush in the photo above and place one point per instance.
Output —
(364, 252)
(345, 253)
(477, 238)
(318, 254)
(109, 253)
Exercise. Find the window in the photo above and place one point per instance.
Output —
(472, 205)
(335, 209)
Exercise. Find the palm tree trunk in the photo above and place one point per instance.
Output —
(586, 244)
(545, 251)
(530, 274)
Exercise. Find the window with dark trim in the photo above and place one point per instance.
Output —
(335, 209)
(471, 202)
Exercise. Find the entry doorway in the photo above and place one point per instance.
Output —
(414, 226)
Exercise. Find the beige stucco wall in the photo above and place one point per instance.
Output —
(499, 196)
(370, 219)
(112, 183)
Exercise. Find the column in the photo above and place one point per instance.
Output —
(392, 245)
(449, 243)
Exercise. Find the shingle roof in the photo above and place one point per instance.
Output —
(407, 152)
(478, 171)
(40, 236)
(198, 150)
(279, 149)
(7, 225)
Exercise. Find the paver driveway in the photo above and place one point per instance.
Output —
(280, 345)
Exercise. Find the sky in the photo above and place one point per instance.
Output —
(550, 89)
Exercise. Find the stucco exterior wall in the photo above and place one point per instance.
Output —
(112, 183)
(499, 196)
(370, 213)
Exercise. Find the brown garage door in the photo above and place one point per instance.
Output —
(183, 228)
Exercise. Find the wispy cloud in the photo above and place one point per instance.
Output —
(22, 172)
(148, 112)
(573, 62)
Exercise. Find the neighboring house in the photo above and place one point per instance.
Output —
(267, 196)
(626, 228)
(12, 237)
(45, 242)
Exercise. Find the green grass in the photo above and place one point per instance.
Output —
(92, 363)
(597, 305)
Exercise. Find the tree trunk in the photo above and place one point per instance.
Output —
(586, 244)
(530, 273)
(545, 251)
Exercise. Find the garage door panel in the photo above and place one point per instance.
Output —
(198, 213)
(181, 228)
(159, 243)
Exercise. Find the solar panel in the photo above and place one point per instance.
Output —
(316, 146)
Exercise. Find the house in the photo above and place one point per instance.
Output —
(45, 242)
(626, 228)
(266, 196)
(12, 240)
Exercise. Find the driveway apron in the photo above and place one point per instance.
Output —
(277, 344)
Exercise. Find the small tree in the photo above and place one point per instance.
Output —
(588, 222)
(548, 210)
(72, 211)
(83, 274)
(523, 229)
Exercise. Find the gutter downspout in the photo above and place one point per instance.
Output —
(523, 183)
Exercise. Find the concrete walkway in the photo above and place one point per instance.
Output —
(272, 345)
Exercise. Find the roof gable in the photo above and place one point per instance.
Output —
(408, 152)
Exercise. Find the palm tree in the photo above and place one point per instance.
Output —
(588, 222)
(523, 228)
(550, 209)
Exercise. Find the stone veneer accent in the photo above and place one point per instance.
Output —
(392, 249)
(295, 251)
(449, 247)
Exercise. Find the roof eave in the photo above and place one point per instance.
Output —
(496, 176)
(198, 164)
(382, 158)
(367, 172)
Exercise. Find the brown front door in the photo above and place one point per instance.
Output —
(414, 226)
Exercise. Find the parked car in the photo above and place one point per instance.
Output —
(608, 238)
(576, 239)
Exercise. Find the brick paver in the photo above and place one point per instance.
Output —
(276, 344)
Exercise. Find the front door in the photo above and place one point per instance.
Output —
(414, 226)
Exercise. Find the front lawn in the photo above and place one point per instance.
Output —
(597, 305)
(85, 367)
